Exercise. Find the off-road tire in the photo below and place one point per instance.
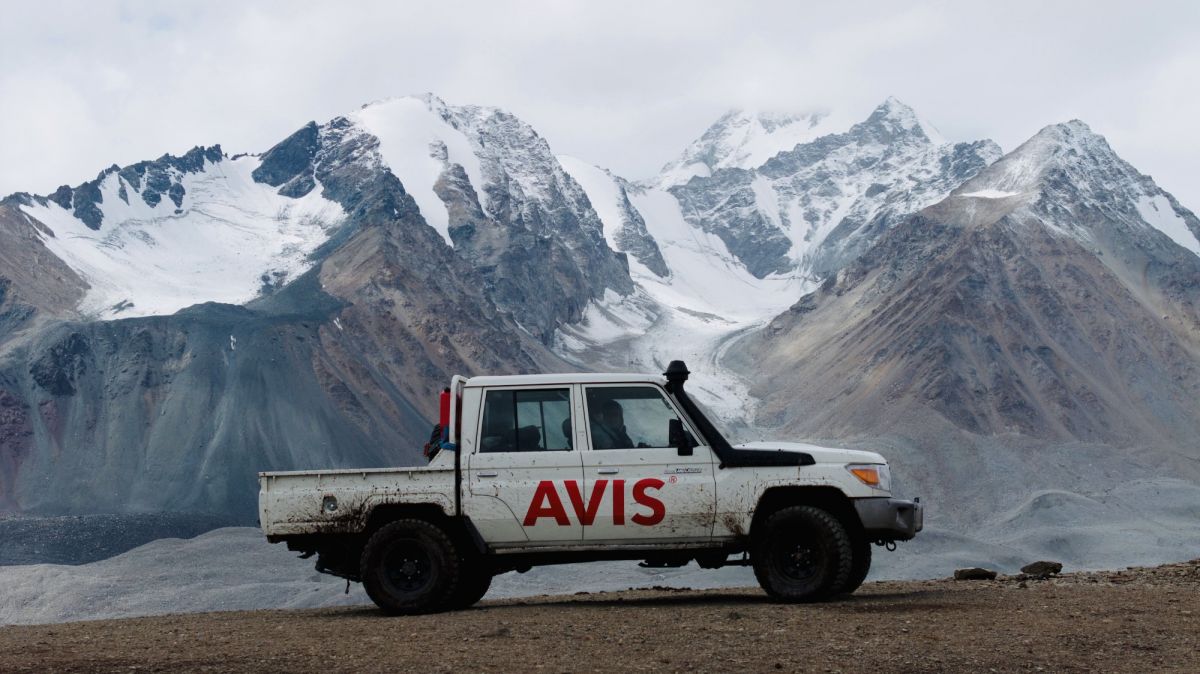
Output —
(410, 566)
(476, 579)
(860, 565)
(801, 554)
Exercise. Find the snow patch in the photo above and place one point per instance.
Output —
(989, 194)
(409, 130)
(766, 198)
(602, 191)
(1159, 214)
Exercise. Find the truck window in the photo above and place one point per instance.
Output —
(625, 417)
(526, 421)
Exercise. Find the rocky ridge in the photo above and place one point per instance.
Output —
(818, 205)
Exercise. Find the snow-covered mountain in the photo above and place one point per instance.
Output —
(816, 206)
(743, 242)
(1036, 329)
(155, 237)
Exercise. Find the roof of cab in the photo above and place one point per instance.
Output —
(568, 378)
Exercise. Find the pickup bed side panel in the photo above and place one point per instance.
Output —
(340, 502)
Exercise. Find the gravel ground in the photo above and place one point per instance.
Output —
(1137, 620)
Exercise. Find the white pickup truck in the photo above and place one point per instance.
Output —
(548, 469)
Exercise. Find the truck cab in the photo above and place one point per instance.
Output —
(555, 468)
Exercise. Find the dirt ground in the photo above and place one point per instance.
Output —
(1136, 620)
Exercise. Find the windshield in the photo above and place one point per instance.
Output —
(732, 433)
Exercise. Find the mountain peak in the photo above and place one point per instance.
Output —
(1065, 169)
(898, 119)
(746, 138)
(429, 100)
(1067, 146)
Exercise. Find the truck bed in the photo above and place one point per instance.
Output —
(292, 503)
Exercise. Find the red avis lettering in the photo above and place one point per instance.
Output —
(657, 510)
(547, 503)
(586, 515)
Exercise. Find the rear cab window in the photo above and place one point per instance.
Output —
(526, 420)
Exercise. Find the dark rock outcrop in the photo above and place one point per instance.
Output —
(974, 573)
(289, 165)
(1042, 569)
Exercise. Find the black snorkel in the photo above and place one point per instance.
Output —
(731, 457)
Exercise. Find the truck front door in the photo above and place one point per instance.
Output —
(521, 466)
(638, 485)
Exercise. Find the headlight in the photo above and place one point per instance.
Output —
(874, 475)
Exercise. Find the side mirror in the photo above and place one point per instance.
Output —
(679, 438)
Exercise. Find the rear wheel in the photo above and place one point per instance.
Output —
(475, 582)
(410, 566)
(801, 554)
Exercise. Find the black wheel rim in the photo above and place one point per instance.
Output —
(408, 567)
(798, 557)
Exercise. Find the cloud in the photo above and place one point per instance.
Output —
(624, 84)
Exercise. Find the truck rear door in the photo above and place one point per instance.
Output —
(517, 472)
(638, 485)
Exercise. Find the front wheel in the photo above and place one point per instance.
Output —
(410, 566)
(801, 554)
(860, 566)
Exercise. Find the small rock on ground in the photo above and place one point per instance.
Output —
(1042, 569)
(974, 573)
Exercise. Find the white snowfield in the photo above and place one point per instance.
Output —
(411, 133)
(228, 232)
(989, 194)
(236, 569)
(1158, 212)
(708, 298)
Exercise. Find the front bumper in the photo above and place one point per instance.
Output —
(890, 519)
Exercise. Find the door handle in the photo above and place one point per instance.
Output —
(608, 471)
(487, 473)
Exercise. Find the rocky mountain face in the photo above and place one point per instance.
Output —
(818, 205)
(32, 279)
(1048, 297)
(518, 217)
(624, 227)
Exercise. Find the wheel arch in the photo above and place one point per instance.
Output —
(460, 529)
(827, 498)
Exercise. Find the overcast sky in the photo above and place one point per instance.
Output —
(625, 85)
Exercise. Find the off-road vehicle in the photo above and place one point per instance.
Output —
(549, 469)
